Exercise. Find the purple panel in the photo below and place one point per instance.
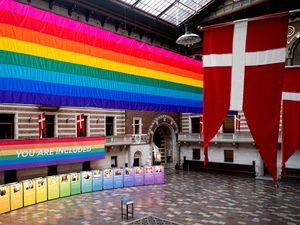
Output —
(159, 174)
(128, 177)
(138, 176)
(149, 175)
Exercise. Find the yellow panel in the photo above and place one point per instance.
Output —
(4, 199)
(16, 194)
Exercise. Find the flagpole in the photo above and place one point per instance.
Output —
(268, 16)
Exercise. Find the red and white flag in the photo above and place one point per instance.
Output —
(80, 125)
(290, 114)
(238, 123)
(42, 125)
(243, 65)
(201, 125)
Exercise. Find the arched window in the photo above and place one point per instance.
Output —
(296, 54)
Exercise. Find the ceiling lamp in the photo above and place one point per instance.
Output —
(188, 38)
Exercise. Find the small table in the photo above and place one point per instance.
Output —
(126, 201)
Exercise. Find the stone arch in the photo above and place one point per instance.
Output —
(163, 138)
(137, 158)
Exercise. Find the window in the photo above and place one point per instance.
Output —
(50, 126)
(52, 170)
(196, 154)
(228, 155)
(86, 166)
(228, 124)
(114, 162)
(10, 176)
(109, 128)
(137, 125)
(7, 126)
(195, 122)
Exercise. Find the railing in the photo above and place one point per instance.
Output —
(244, 137)
(126, 140)
(220, 137)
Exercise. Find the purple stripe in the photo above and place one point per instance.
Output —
(56, 100)
(58, 162)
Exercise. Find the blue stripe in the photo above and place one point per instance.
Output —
(51, 158)
(20, 72)
(55, 100)
(20, 85)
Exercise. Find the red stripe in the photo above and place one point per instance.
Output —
(54, 30)
(218, 40)
(291, 80)
(258, 34)
(52, 140)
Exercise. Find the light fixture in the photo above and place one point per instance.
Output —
(188, 38)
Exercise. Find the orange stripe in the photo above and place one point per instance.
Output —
(64, 44)
(37, 146)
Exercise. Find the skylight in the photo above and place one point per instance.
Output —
(173, 11)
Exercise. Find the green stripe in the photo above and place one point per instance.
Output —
(71, 68)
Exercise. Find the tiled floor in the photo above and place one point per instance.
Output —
(186, 198)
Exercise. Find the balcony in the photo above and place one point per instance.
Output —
(126, 140)
(220, 137)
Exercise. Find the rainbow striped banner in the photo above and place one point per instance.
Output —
(53, 60)
(18, 154)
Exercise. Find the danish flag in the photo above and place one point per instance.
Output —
(80, 125)
(290, 114)
(243, 65)
(42, 125)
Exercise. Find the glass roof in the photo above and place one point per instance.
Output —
(173, 11)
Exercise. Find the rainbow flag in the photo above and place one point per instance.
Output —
(17, 154)
(53, 60)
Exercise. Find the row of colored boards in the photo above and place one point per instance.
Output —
(28, 192)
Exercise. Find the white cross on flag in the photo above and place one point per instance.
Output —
(243, 65)
(290, 114)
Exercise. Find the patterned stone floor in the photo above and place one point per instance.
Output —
(186, 198)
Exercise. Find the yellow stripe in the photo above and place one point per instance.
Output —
(14, 151)
(23, 47)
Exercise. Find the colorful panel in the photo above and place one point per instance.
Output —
(108, 179)
(149, 175)
(138, 176)
(75, 184)
(128, 177)
(159, 175)
(16, 154)
(86, 181)
(97, 180)
(118, 178)
(41, 189)
(16, 196)
(53, 187)
(29, 191)
(64, 185)
(4, 199)
(53, 60)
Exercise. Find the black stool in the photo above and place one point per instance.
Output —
(127, 202)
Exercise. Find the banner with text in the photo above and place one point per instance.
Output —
(17, 154)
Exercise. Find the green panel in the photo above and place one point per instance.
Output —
(75, 184)
(64, 185)
(53, 187)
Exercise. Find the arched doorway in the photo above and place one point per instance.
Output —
(137, 158)
(163, 133)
